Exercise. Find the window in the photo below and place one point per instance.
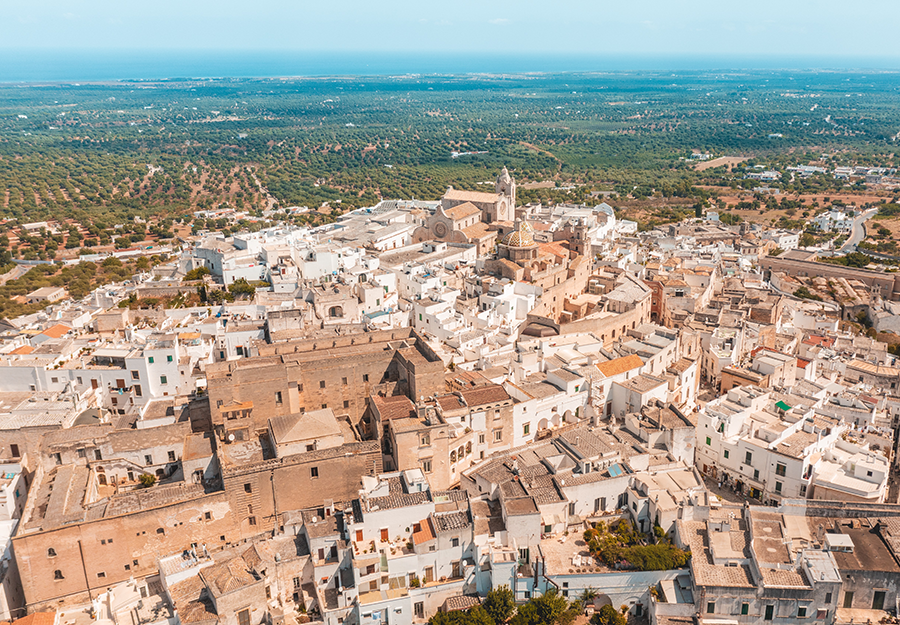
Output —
(58, 458)
(711, 607)
(726, 454)
(57, 574)
(207, 516)
(498, 435)
(51, 553)
(780, 469)
(296, 583)
(868, 474)
(322, 384)
(81, 453)
(137, 390)
(346, 404)
(168, 359)
(101, 574)
(426, 465)
(481, 439)
(526, 429)
(708, 441)
(878, 600)
(135, 375)
(150, 360)
(148, 460)
(163, 380)
(827, 598)
(244, 617)
(252, 520)
(745, 609)
(755, 474)
(425, 440)
(365, 377)
(748, 459)
(770, 612)
(171, 456)
(278, 397)
(160, 530)
(248, 488)
(778, 486)
(848, 599)
(268, 593)
(801, 611)
(324, 406)
(454, 542)
(344, 381)
(127, 567)
(314, 472)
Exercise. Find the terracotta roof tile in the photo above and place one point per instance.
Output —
(620, 365)
(396, 407)
(56, 331)
(485, 395)
(461, 211)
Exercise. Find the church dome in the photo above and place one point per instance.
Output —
(523, 236)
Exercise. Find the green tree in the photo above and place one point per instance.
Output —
(547, 609)
(196, 274)
(242, 288)
(475, 615)
(147, 480)
(608, 615)
(587, 596)
(500, 604)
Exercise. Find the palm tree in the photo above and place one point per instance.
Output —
(587, 596)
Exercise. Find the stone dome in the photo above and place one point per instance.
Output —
(523, 236)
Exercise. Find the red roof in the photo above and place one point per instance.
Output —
(487, 394)
(22, 351)
(620, 365)
(56, 331)
(424, 534)
(824, 341)
(396, 407)
(37, 618)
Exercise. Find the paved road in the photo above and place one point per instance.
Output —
(859, 232)
(15, 273)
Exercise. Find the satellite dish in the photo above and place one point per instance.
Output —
(231, 438)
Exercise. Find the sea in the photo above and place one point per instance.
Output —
(58, 65)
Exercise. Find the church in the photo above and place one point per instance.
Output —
(468, 216)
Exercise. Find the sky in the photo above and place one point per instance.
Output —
(728, 28)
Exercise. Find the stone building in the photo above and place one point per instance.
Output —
(339, 373)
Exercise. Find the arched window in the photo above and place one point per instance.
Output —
(335, 311)
(51, 553)
(57, 574)
(453, 456)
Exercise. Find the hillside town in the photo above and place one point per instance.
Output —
(388, 417)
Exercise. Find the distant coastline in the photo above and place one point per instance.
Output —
(66, 66)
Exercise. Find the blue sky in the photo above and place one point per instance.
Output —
(793, 28)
